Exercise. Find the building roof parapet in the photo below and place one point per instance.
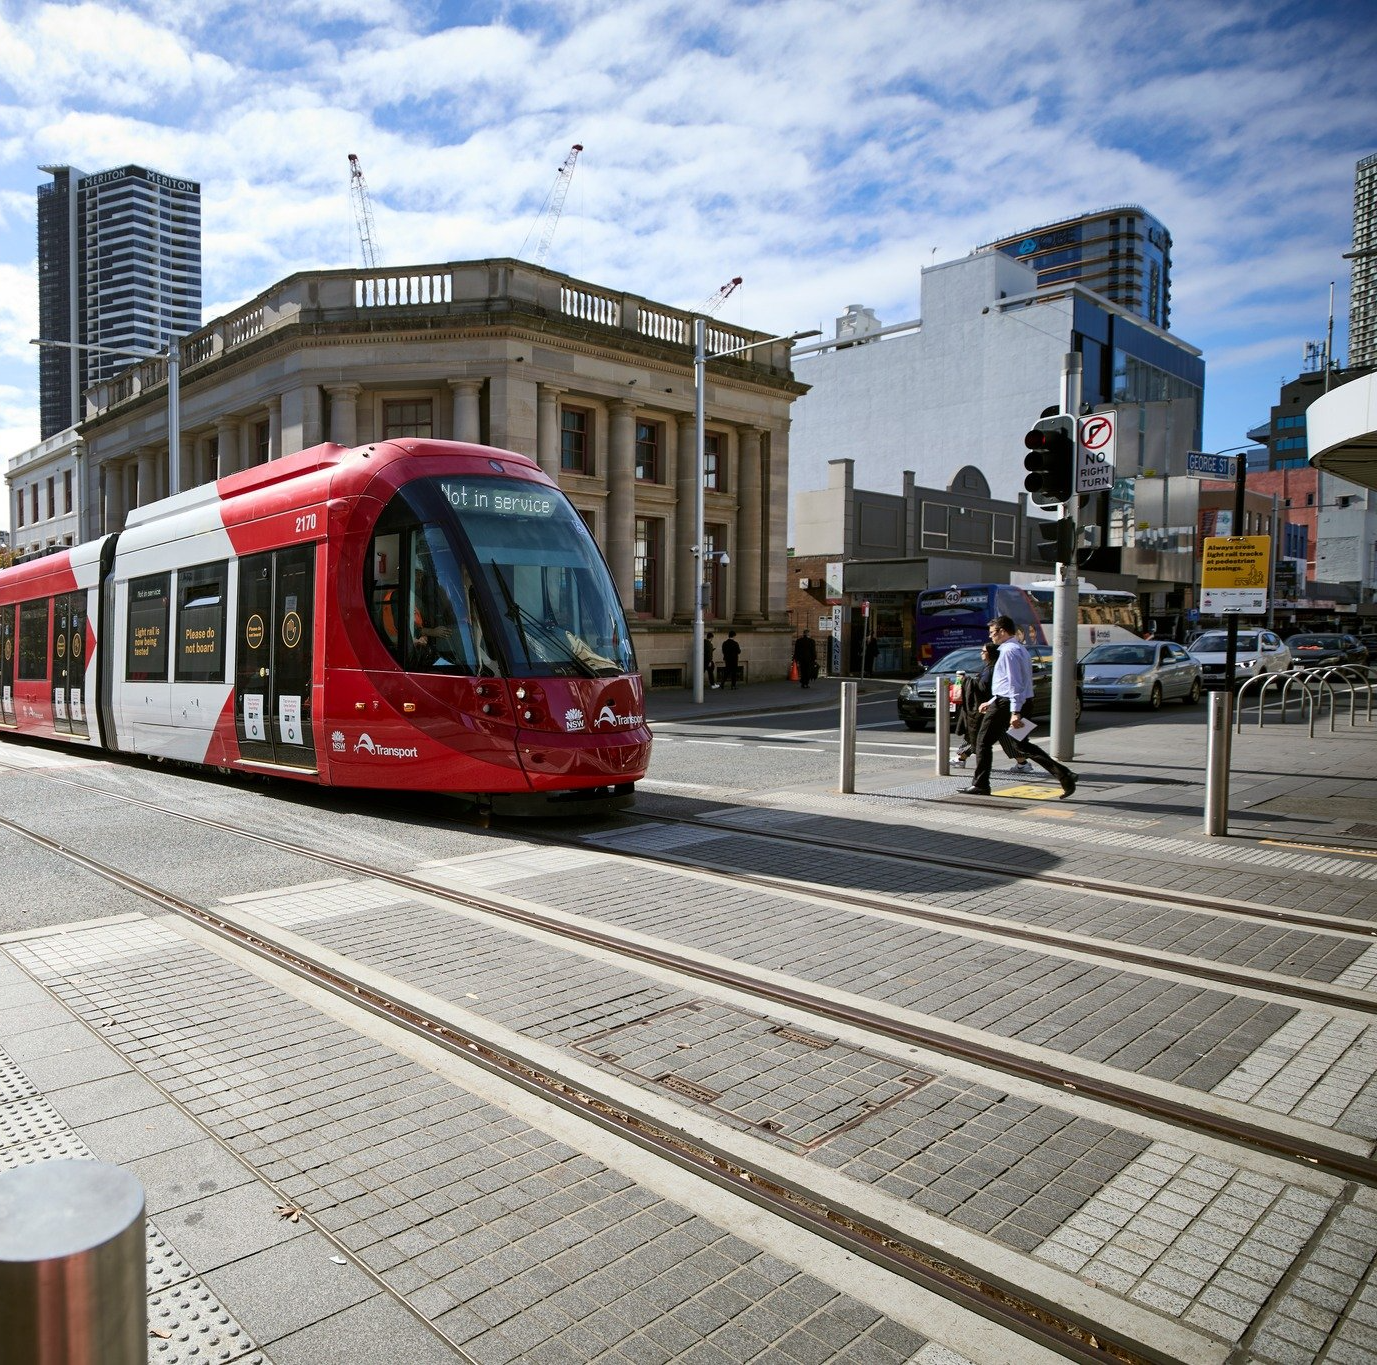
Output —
(1074, 288)
(1063, 220)
(460, 290)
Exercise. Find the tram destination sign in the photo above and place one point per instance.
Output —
(1205, 464)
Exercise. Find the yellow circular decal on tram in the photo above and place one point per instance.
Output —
(61, 643)
(76, 646)
(253, 631)
(9, 649)
(291, 630)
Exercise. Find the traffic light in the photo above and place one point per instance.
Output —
(1058, 541)
(1051, 460)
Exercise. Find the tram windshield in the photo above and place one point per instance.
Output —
(547, 605)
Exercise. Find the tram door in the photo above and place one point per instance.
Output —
(7, 665)
(273, 675)
(69, 664)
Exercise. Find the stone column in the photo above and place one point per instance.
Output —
(274, 428)
(248, 456)
(775, 481)
(750, 582)
(145, 461)
(114, 495)
(685, 577)
(466, 416)
(621, 498)
(547, 428)
(226, 446)
(344, 413)
(130, 472)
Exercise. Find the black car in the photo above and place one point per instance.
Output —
(916, 703)
(1324, 651)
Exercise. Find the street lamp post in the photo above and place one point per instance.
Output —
(700, 556)
(174, 394)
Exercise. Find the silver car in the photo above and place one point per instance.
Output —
(1258, 651)
(1147, 671)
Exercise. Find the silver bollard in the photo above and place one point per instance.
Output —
(941, 724)
(1217, 765)
(73, 1288)
(848, 738)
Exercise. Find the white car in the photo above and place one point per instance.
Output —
(1259, 651)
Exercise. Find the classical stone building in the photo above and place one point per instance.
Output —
(597, 386)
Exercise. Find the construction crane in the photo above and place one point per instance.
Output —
(363, 213)
(713, 302)
(553, 206)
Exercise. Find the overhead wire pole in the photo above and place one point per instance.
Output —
(700, 360)
(174, 393)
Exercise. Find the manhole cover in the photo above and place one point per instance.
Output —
(798, 1086)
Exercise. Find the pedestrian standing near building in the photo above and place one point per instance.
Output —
(806, 657)
(709, 667)
(731, 660)
(1011, 688)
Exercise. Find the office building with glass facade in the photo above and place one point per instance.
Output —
(1362, 288)
(119, 264)
(1123, 253)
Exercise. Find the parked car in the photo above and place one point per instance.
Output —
(1323, 651)
(916, 704)
(1369, 643)
(1259, 651)
(1149, 672)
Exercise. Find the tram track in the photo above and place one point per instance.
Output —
(1000, 1060)
(963, 1283)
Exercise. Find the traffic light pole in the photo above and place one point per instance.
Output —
(1066, 597)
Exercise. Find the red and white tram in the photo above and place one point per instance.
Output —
(411, 614)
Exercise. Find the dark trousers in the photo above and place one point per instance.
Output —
(994, 725)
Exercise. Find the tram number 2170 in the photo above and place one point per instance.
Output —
(306, 522)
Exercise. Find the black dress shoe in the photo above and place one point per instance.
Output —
(1068, 785)
(974, 791)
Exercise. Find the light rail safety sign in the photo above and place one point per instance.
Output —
(1234, 574)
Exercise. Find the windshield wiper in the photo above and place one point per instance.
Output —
(518, 614)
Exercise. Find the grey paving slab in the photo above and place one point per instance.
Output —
(290, 1286)
(185, 1174)
(379, 1331)
(127, 1137)
(125, 1092)
(227, 1226)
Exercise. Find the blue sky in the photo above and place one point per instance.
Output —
(824, 150)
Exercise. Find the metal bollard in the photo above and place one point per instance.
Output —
(848, 738)
(73, 1288)
(941, 724)
(1217, 751)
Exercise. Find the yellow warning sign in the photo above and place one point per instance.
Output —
(1031, 793)
(1236, 562)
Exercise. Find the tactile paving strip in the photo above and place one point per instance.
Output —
(198, 1329)
(14, 1084)
(32, 1130)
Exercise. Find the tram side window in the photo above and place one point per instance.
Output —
(149, 602)
(201, 623)
(422, 603)
(33, 639)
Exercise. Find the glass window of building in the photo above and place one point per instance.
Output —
(575, 448)
(714, 462)
(406, 417)
(646, 574)
(648, 444)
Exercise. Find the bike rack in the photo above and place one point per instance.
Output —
(1313, 687)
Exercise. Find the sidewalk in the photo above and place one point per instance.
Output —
(1135, 769)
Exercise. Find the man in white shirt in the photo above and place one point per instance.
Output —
(1011, 689)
